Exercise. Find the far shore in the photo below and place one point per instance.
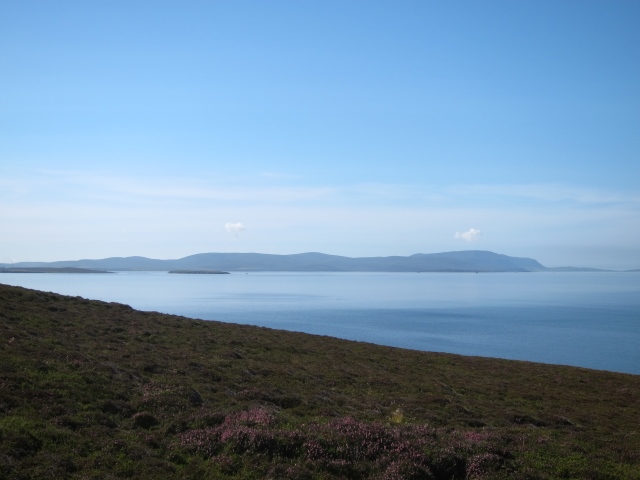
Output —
(49, 270)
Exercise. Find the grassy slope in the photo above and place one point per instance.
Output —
(97, 390)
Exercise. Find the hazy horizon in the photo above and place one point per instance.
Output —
(358, 129)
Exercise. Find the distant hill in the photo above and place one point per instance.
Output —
(462, 261)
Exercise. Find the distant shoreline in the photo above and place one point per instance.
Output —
(50, 270)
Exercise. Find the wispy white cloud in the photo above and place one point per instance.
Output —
(393, 192)
(186, 188)
(471, 235)
(280, 176)
(136, 189)
(545, 193)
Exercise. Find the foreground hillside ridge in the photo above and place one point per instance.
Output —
(463, 261)
(91, 389)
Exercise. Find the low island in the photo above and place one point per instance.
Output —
(200, 272)
(50, 270)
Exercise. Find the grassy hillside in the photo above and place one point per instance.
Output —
(98, 390)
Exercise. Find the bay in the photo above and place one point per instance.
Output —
(583, 319)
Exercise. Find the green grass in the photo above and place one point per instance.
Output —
(97, 390)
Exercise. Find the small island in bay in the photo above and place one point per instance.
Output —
(200, 272)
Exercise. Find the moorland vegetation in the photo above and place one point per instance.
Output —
(97, 390)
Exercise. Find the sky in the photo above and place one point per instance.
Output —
(358, 128)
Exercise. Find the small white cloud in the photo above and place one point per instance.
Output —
(234, 228)
(471, 235)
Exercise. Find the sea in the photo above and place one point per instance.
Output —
(582, 319)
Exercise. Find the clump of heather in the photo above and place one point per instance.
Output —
(345, 447)
(478, 465)
(247, 431)
(251, 417)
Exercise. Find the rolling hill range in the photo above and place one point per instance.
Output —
(462, 261)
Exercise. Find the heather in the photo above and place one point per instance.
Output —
(98, 390)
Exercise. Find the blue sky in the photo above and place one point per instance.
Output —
(354, 128)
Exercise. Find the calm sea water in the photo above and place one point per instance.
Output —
(583, 319)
